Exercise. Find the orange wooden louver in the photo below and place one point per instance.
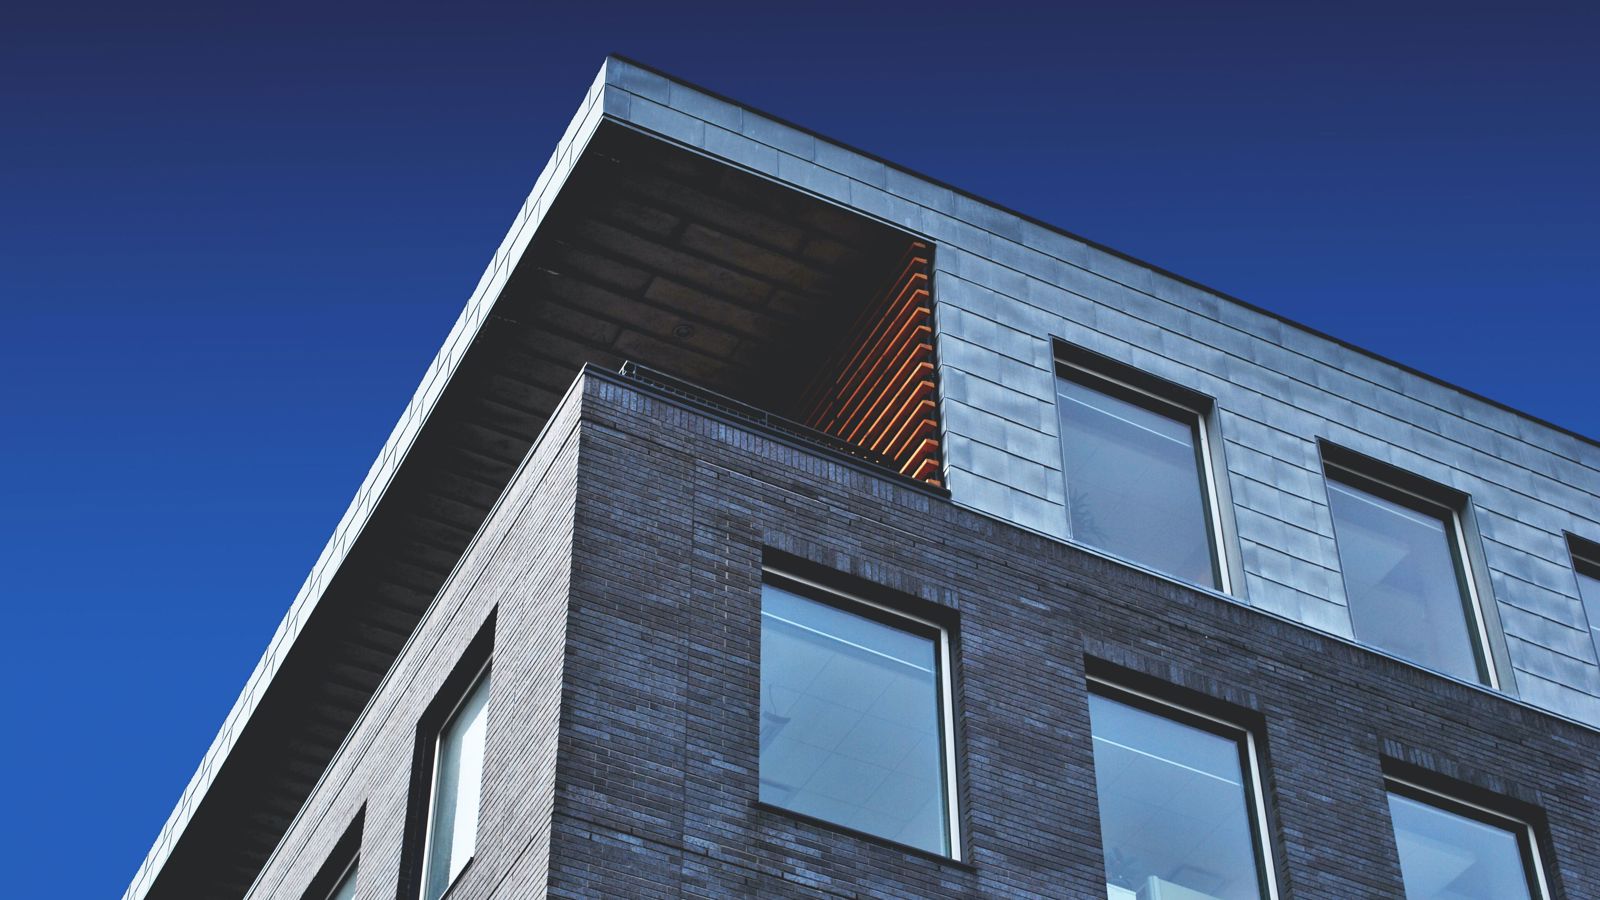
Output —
(878, 391)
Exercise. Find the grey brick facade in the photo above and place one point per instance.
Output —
(654, 519)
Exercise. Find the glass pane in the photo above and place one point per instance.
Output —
(850, 721)
(1445, 856)
(347, 886)
(1133, 483)
(1401, 579)
(453, 831)
(1589, 590)
(1174, 815)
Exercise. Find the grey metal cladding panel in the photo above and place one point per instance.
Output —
(1281, 474)
(1307, 547)
(1025, 409)
(1531, 568)
(1552, 635)
(1038, 446)
(1268, 499)
(1023, 346)
(1004, 285)
(1527, 656)
(995, 366)
(1550, 546)
(1340, 395)
(1021, 474)
(1559, 698)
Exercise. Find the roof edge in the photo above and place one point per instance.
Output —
(380, 475)
(1112, 251)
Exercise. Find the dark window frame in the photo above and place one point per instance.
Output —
(1173, 401)
(1252, 766)
(1585, 556)
(471, 667)
(800, 581)
(1525, 831)
(345, 856)
(1362, 473)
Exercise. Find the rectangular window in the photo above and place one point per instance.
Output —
(1406, 578)
(855, 713)
(1180, 812)
(1138, 479)
(1451, 850)
(1586, 564)
(452, 835)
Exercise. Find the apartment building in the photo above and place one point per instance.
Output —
(776, 521)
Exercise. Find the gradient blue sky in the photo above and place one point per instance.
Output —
(233, 235)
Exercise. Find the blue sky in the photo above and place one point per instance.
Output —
(232, 236)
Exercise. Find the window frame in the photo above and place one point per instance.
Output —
(340, 862)
(1527, 836)
(425, 869)
(1348, 469)
(1157, 395)
(848, 601)
(1585, 557)
(349, 871)
(1250, 761)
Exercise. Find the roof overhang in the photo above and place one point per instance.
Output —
(633, 246)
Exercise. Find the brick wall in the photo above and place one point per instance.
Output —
(623, 568)
(658, 779)
(516, 571)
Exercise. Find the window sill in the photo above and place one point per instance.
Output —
(847, 831)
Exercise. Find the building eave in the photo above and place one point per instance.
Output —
(634, 96)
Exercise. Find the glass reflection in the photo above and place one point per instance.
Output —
(347, 886)
(1402, 581)
(1133, 483)
(1446, 856)
(458, 782)
(850, 721)
(1174, 810)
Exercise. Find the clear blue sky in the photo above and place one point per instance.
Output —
(233, 235)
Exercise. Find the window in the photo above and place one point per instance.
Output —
(346, 888)
(336, 879)
(855, 712)
(1405, 575)
(1586, 563)
(1135, 455)
(1180, 814)
(452, 835)
(1451, 850)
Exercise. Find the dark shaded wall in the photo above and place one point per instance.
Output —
(515, 573)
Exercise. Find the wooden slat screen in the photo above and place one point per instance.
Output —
(878, 391)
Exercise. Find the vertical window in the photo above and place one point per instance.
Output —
(1454, 851)
(855, 712)
(452, 835)
(346, 888)
(1586, 563)
(1138, 483)
(1405, 575)
(336, 879)
(1180, 814)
